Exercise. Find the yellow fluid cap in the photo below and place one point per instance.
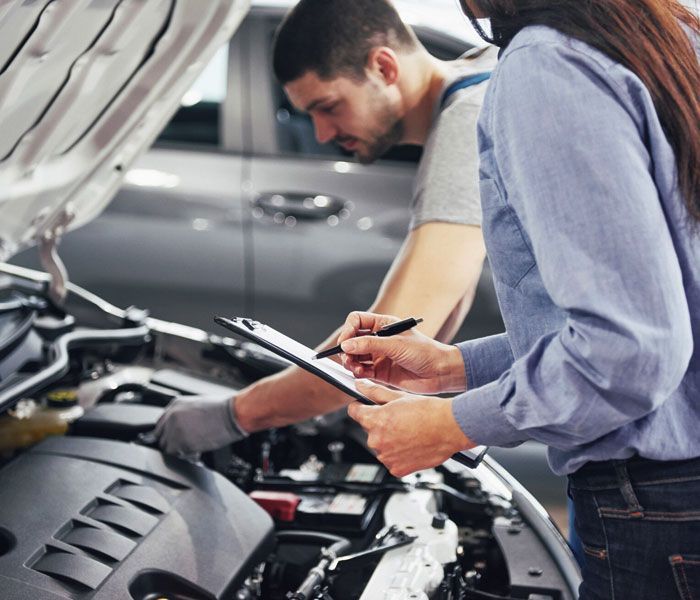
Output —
(62, 398)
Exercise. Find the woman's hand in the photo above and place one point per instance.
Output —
(411, 360)
(408, 433)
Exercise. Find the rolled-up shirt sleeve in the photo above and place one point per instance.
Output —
(485, 359)
(578, 175)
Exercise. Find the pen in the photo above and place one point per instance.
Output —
(386, 331)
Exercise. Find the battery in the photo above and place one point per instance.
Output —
(347, 512)
(341, 512)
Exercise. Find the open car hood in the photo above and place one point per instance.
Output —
(85, 87)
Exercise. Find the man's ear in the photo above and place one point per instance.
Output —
(384, 62)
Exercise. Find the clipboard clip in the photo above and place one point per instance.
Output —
(249, 324)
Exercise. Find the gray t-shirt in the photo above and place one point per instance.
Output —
(446, 188)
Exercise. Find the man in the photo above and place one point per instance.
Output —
(368, 84)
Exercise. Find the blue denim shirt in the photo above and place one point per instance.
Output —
(595, 265)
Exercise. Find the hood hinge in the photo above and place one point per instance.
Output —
(51, 262)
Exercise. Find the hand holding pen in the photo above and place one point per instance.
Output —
(410, 360)
(387, 330)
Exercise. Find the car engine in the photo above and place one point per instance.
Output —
(95, 510)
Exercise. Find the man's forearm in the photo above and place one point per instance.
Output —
(451, 326)
(288, 397)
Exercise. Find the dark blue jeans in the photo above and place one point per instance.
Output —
(639, 522)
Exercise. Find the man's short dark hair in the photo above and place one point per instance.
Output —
(334, 37)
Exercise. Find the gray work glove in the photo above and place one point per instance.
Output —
(197, 424)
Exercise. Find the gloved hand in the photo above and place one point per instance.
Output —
(198, 424)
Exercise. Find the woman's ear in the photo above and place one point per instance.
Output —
(384, 63)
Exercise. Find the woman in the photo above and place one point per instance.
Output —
(590, 177)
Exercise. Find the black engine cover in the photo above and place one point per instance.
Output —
(89, 518)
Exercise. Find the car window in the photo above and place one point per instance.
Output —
(295, 131)
(198, 120)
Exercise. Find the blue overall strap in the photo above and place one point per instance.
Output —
(460, 84)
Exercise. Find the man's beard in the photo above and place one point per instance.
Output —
(382, 143)
(377, 143)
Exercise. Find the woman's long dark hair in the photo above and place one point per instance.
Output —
(647, 37)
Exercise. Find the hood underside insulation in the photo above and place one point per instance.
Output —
(85, 86)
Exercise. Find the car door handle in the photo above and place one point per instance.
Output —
(301, 206)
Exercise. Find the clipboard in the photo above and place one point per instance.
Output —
(325, 368)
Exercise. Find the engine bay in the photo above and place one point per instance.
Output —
(95, 510)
